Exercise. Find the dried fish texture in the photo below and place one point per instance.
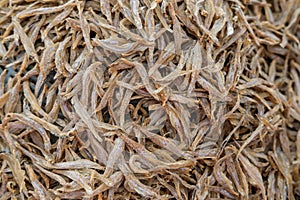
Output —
(150, 99)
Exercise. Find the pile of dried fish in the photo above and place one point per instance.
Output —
(150, 99)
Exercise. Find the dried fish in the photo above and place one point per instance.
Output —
(32, 100)
(105, 8)
(78, 178)
(52, 175)
(57, 20)
(4, 98)
(116, 47)
(243, 18)
(39, 11)
(85, 117)
(85, 28)
(253, 174)
(134, 183)
(164, 99)
(221, 177)
(35, 125)
(114, 156)
(230, 166)
(27, 43)
(39, 189)
(48, 126)
(164, 143)
(176, 30)
(15, 166)
(61, 62)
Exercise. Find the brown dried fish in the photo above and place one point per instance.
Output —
(57, 20)
(78, 178)
(83, 114)
(32, 99)
(15, 166)
(253, 174)
(40, 11)
(85, 28)
(128, 99)
(61, 62)
(39, 189)
(27, 43)
(31, 123)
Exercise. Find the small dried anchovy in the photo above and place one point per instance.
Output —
(150, 99)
